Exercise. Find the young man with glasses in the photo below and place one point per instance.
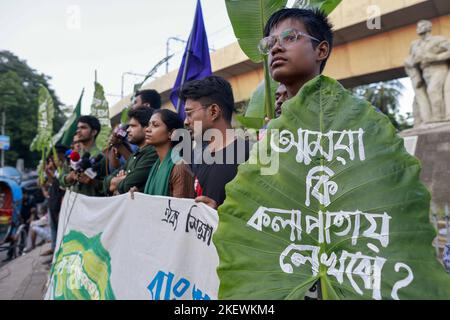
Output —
(209, 105)
(298, 43)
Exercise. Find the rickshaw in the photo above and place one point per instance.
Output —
(14, 240)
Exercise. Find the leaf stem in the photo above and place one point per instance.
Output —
(269, 109)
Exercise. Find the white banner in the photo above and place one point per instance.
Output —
(149, 248)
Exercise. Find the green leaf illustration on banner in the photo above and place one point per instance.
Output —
(46, 111)
(82, 269)
(100, 110)
(345, 207)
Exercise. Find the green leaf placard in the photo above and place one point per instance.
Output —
(343, 206)
(46, 112)
(254, 115)
(248, 18)
(100, 109)
(327, 6)
(124, 115)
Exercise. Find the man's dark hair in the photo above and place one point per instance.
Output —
(212, 89)
(150, 96)
(60, 148)
(314, 20)
(92, 122)
(142, 115)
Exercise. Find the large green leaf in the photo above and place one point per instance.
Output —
(254, 107)
(100, 109)
(255, 114)
(248, 18)
(46, 112)
(327, 6)
(266, 253)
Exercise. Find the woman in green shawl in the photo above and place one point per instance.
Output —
(170, 175)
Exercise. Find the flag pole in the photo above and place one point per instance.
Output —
(188, 53)
(183, 78)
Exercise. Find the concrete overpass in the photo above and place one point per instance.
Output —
(361, 55)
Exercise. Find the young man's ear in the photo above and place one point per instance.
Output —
(215, 112)
(94, 133)
(323, 51)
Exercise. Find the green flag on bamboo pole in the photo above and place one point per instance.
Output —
(67, 132)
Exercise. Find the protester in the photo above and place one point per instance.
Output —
(136, 169)
(298, 43)
(88, 128)
(147, 98)
(210, 102)
(39, 228)
(280, 97)
(170, 176)
(120, 149)
(55, 192)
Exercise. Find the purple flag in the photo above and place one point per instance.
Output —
(196, 63)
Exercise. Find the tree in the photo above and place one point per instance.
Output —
(19, 87)
(384, 96)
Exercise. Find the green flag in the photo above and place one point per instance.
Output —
(67, 132)
(100, 110)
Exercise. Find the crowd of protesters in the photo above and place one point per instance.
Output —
(145, 157)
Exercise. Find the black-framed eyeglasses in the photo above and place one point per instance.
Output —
(285, 38)
(189, 113)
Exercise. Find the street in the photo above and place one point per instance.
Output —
(24, 278)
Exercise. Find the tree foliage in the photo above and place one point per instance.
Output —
(19, 88)
(385, 96)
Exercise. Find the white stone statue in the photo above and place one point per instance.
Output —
(428, 67)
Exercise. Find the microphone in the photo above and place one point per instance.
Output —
(68, 153)
(75, 160)
(94, 167)
(85, 163)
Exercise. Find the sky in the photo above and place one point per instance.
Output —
(70, 39)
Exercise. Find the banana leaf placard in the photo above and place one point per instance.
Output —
(343, 205)
(46, 111)
(43, 140)
(100, 110)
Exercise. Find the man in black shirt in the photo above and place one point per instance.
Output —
(55, 192)
(209, 105)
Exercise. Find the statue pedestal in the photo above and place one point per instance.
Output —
(431, 144)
